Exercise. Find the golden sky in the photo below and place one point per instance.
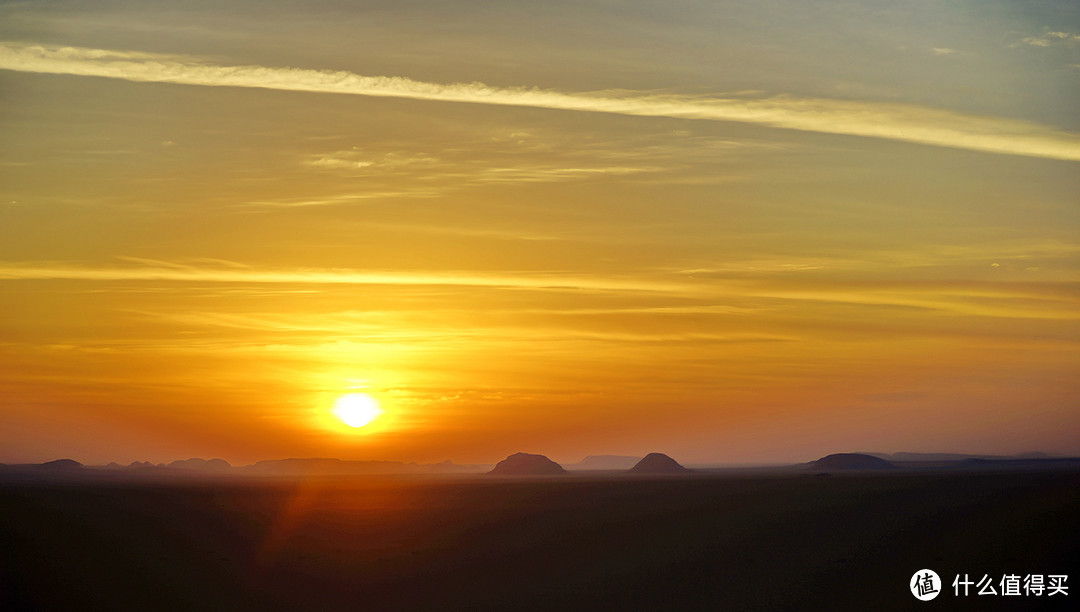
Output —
(740, 231)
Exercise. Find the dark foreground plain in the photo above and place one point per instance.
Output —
(705, 541)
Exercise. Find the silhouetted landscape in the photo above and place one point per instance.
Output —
(464, 306)
(304, 534)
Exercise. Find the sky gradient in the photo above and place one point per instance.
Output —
(732, 232)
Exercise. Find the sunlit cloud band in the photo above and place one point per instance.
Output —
(179, 273)
(895, 122)
(1007, 300)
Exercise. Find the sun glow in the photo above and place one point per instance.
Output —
(357, 409)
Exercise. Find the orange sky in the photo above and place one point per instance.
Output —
(737, 232)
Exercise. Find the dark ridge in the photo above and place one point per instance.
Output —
(61, 464)
(977, 463)
(524, 464)
(851, 461)
(658, 463)
(196, 463)
(904, 457)
(329, 466)
(605, 462)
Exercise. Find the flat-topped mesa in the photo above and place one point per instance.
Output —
(851, 461)
(524, 464)
(658, 463)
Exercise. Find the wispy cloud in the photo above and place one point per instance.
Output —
(353, 160)
(885, 121)
(163, 271)
(1051, 39)
(357, 163)
(1006, 302)
(376, 326)
(1054, 300)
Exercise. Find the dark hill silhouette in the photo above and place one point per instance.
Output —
(449, 467)
(1051, 463)
(61, 464)
(605, 462)
(328, 466)
(851, 461)
(940, 457)
(658, 463)
(524, 464)
(212, 465)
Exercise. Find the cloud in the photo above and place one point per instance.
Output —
(356, 160)
(986, 300)
(491, 160)
(1016, 300)
(434, 168)
(348, 198)
(388, 326)
(895, 122)
(1051, 39)
(172, 272)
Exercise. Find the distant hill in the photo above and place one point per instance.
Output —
(326, 466)
(936, 457)
(144, 465)
(604, 462)
(1050, 463)
(658, 463)
(338, 467)
(524, 464)
(449, 467)
(850, 461)
(204, 465)
(197, 468)
(61, 464)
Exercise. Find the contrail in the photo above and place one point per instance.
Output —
(895, 122)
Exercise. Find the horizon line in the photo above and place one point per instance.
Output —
(1018, 455)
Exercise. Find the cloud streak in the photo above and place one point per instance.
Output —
(1052, 39)
(1051, 301)
(168, 272)
(894, 122)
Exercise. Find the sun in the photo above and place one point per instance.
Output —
(356, 409)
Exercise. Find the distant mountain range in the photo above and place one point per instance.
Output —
(902, 457)
(604, 462)
(843, 462)
(340, 467)
(271, 467)
(526, 464)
